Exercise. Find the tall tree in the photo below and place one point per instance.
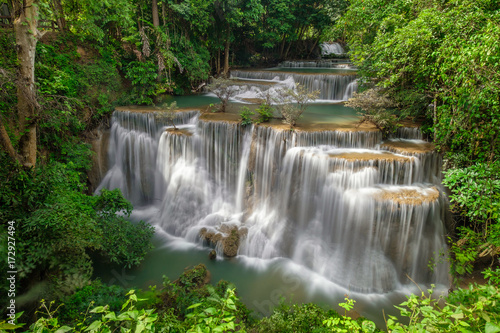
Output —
(156, 18)
(25, 14)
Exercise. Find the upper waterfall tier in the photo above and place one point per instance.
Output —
(360, 212)
(334, 63)
(335, 87)
(331, 48)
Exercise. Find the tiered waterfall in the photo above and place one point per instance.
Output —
(364, 214)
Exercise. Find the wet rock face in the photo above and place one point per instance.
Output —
(212, 255)
(231, 243)
(228, 237)
(99, 140)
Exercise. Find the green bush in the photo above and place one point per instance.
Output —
(145, 86)
(475, 197)
(296, 318)
(265, 113)
(76, 306)
(475, 309)
(58, 225)
(246, 116)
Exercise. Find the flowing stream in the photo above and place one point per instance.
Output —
(308, 214)
(334, 84)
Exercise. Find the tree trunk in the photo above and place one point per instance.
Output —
(217, 66)
(58, 10)
(6, 143)
(288, 50)
(226, 53)
(282, 47)
(27, 34)
(163, 13)
(314, 46)
(156, 19)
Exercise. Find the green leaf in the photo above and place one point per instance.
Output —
(140, 327)
(7, 326)
(194, 306)
(98, 309)
(94, 326)
(491, 328)
(212, 311)
(111, 316)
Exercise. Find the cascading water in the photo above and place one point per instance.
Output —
(334, 63)
(132, 154)
(331, 48)
(409, 133)
(333, 87)
(359, 213)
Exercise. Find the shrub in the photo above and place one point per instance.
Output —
(293, 102)
(246, 116)
(224, 89)
(265, 113)
(375, 107)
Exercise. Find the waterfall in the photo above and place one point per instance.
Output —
(331, 86)
(132, 153)
(409, 133)
(351, 88)
(331, 48)
(360, 212)
(333, 63)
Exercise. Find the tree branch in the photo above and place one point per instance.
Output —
(7, 144)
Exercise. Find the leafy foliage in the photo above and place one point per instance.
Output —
(58, 225)
(76, 306)
(218, 318)
(265, 113)
(143, 76)
(246, 116)
(475, 192)
(129, 319)
(297, 318)
(440, 53)
(475, 309)
(73, 92)
(475, 197)
(346, 324)
(466, 310)
(376, 109)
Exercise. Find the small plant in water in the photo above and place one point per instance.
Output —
(265, 113)
(224, 89)
(246, 116)
(293, 102)
(168, 112)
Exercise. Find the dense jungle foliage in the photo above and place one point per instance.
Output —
(436, 61)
